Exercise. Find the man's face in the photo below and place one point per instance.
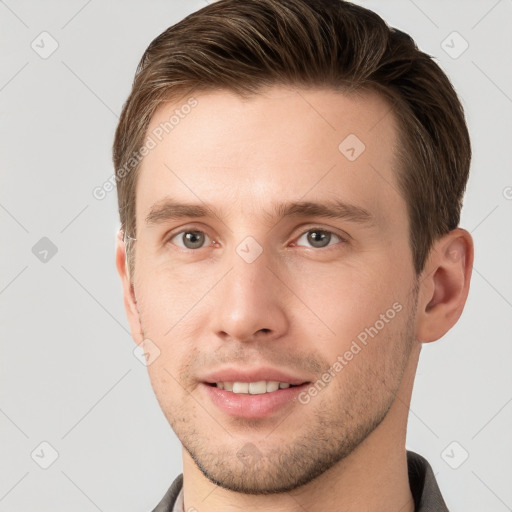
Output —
(248, 290)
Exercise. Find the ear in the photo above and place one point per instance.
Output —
(130, 301)
(444, 285)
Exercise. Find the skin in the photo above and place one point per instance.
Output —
(296, 307)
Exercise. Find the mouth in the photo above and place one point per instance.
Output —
(259, 399)
(253, 388)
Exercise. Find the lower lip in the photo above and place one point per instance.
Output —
(246, 405)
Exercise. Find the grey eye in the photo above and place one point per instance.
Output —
(190, 239)
(318, 238)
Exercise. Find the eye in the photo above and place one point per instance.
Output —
(319, 238)
(190, 239)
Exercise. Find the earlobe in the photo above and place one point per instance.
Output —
(444, 285)
(129, 299)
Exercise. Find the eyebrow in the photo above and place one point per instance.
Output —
(169, 209)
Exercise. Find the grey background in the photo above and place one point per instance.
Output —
(68, 375)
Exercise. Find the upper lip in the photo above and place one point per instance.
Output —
(252, 375)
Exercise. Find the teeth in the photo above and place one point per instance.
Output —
(240, 387)
(253, 388)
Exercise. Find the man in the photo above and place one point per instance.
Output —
(290, 178)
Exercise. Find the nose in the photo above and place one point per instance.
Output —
(250, 302)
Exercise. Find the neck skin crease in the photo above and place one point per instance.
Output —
(373, 478)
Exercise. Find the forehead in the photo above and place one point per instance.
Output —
(284, 144)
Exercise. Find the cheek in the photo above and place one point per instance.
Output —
(169, 297)
(169, 372)
(371, 362)
(167, 391)
(347, 298)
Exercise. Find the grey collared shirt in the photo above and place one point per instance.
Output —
(424, 489)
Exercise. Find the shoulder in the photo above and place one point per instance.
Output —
(167, 502)
(424, 488)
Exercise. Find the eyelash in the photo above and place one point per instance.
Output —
(193, 229)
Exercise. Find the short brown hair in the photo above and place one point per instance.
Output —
(243, 46)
